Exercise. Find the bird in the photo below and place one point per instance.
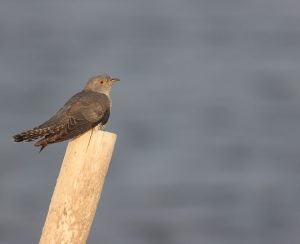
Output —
(83, 111)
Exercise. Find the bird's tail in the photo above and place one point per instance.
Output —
(31, 135)
(45, 141)
(52, 138)
(37, 132)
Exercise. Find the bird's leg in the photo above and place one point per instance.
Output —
(101, 127)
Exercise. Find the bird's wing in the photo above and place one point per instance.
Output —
(82, 112)
(60, 117)
(86, 113)
(90, 105)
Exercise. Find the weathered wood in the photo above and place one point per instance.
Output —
(78, 188)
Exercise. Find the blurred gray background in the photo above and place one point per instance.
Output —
(207, 115)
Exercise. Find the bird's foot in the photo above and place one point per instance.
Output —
(101, 127)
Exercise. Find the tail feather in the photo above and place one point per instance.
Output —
(30, 135)
(35, 133)
(42, 147)
(58, 135)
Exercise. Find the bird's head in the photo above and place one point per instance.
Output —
(100, 83)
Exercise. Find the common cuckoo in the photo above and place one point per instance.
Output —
(83, 111)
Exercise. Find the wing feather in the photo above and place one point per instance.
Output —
(81, 113)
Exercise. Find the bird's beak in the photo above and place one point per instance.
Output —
(115, 80)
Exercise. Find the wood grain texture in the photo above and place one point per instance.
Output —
(78, 188)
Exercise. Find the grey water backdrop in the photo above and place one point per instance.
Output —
(207, 114)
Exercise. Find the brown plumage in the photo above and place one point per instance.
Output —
(84, 111)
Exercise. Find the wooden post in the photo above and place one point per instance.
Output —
(78, 188)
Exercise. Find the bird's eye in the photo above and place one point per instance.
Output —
(101, 82)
